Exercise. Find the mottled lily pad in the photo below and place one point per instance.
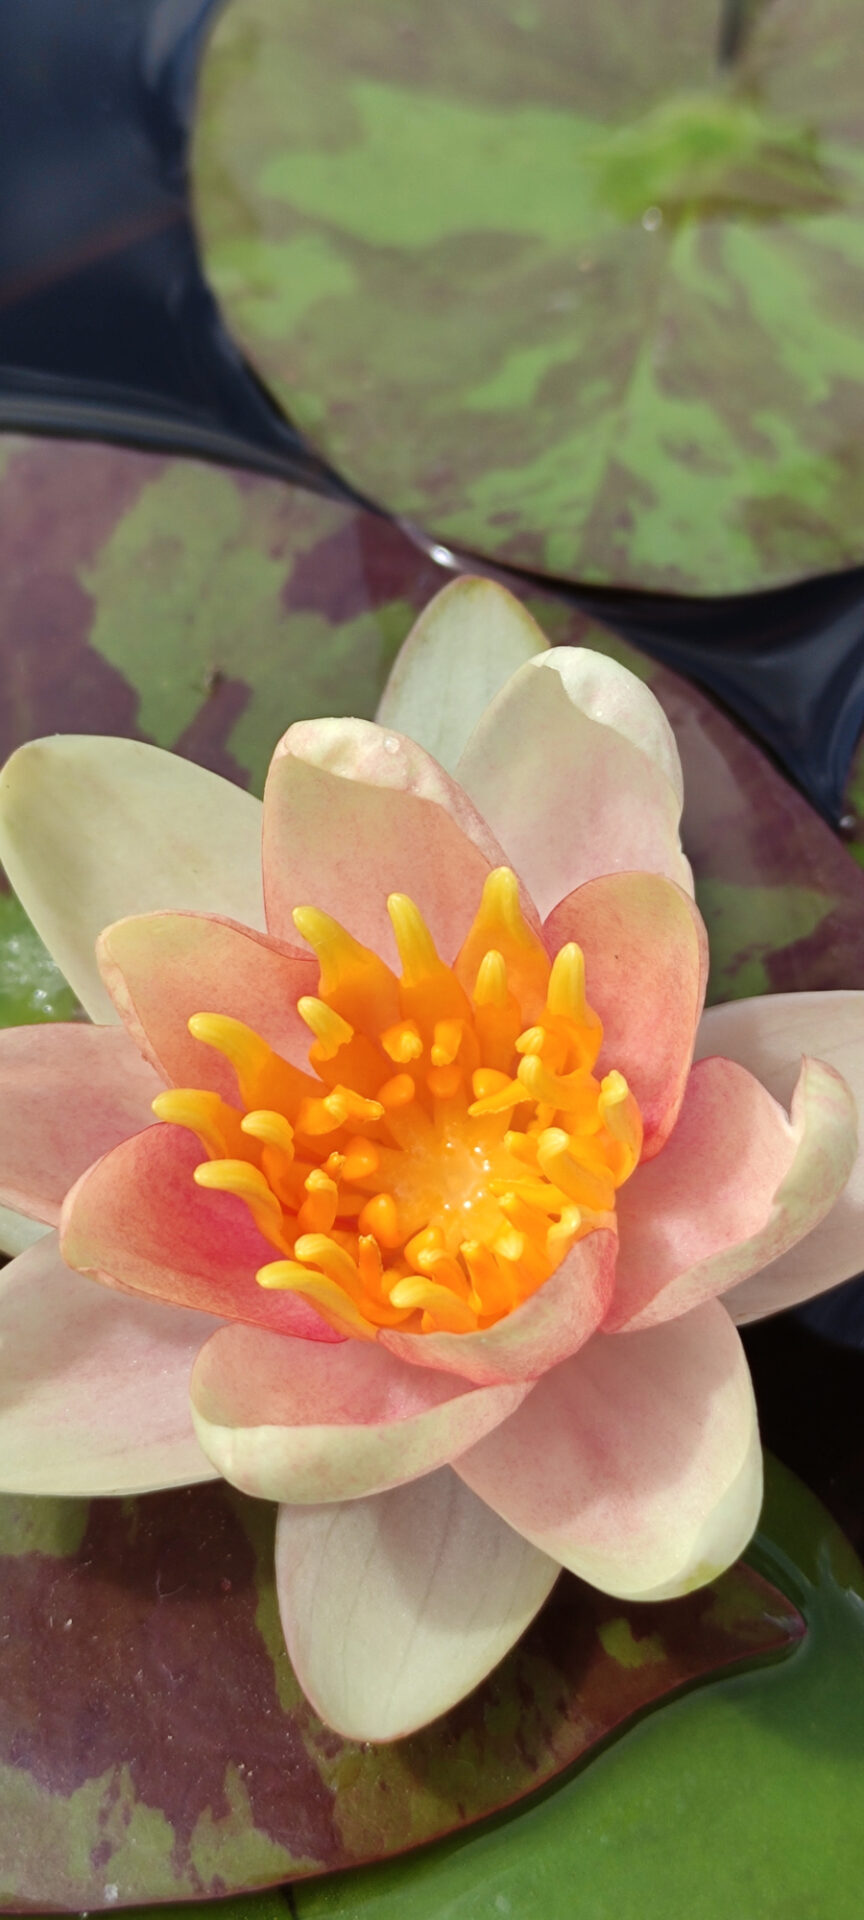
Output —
(557, 281)
(740, 1802)
(154, 1742)
(205, 609)
(199, 607)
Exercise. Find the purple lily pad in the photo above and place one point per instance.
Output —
(154, 1744)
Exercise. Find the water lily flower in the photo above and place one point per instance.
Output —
(412, 1179)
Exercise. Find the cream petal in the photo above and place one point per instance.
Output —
(397, 1606)
(768, 1035)
(637, 1463)
(93, 828)
(284, 1422)
(573, 790)
(458, 655)
(94, 1387)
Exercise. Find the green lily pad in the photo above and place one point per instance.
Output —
(740, 1800)
(32, 988)
(155, 1744)
(553, 280)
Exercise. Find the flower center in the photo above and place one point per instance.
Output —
(452, 1141)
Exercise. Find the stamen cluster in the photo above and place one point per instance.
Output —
(451, 1142)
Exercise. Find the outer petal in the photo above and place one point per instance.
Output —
(18, 1233)
(737, 1184)
(458, 655)
(637, 1463)
(137, 1221)
(646, 961)
(288, 1421)
(573, 768)
(70, 1093)
(768, 1035)
(395, 1607)
(162, 967)
(545, 1330)
(94, 1388)
(353, 813)
(92, 829)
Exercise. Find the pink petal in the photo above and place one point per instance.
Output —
(546, 1329)
(94, 828)
(737, 1184)
(137, 1221)
(353, 813)
(397, 1606)
(94, 1388)
(768, 1036)
(286, 1420)
(637, 1463)
(646, 961)
(69, 1094)
(459, 654)
(160, 968)
(568, 795)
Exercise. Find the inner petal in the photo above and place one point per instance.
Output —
(451, 1141)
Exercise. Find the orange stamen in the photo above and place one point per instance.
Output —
(440, 1198)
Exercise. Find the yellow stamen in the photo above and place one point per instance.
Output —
(435, 1199)
(501, 925)
(398, 1092)
(353, 980)
(584, 1186)
(332, 1300)
(362, 1159)
(402, 1043)
(319, 1209)
(414, 941)
(263, 1077)
(330, 1030)
(623, 1121)
(218, 1126)
(380, 1217)
(246, 1183)
(272, 1128)
(447, 1041)
(428, 991)
(445, 1311)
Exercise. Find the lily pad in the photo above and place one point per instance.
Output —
(569, 288)
(743, 1799)
(155, 1744)
(202, 608)
(205, 609)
